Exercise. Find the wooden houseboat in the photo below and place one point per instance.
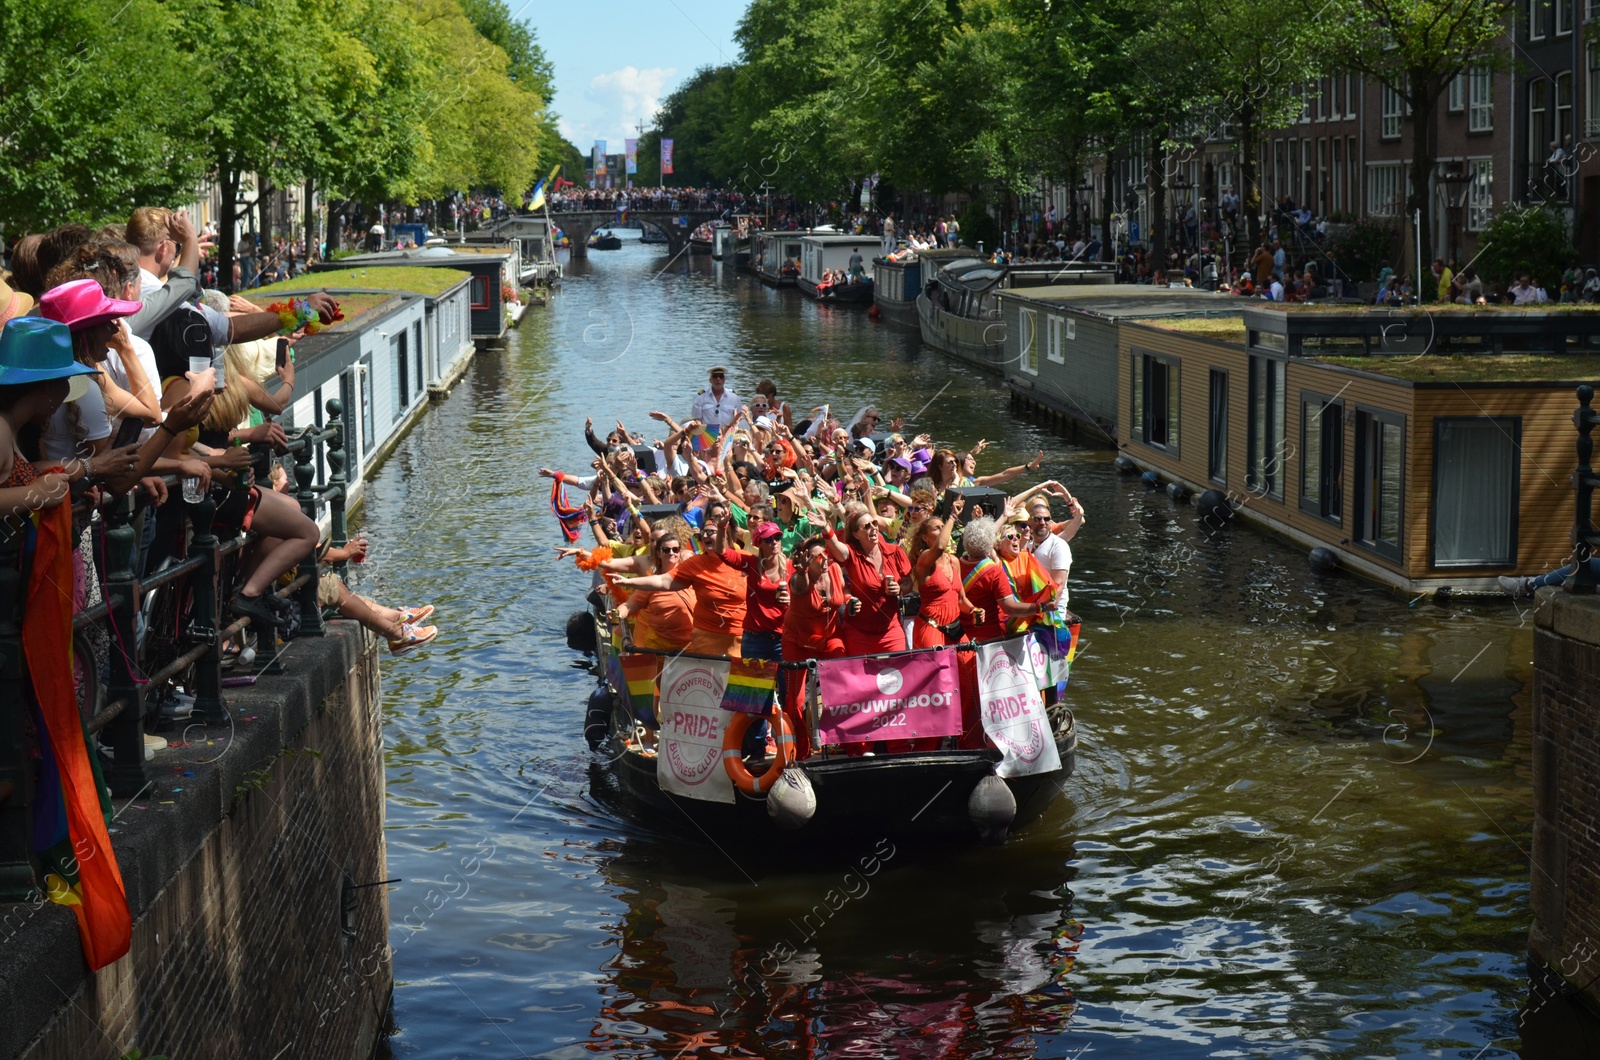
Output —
(1061, 346)
(829, 253)
(534, 239)
(492, 274)
(1429, 451)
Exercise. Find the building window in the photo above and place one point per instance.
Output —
(1457, 100)
(1380, 482)
(402, 373)
(1028, 340)
(1538, 120)
(1591, 125)
(480, 292)
(1350, 95)
(1383, 189)
(416, 352)
(1563, 18)
(1480, 99)
(1058, 332)
(364, 381)
(1217, 429)
(1265, 466)
(1480, 193)
(1537, 13)
(1392, 109)
(1476, 482)
(1155, 401)
(1563, 126)
(1322, 456)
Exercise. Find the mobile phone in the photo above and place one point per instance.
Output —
(283, 352)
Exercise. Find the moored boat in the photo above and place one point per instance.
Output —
(691, 771)
(825, 267)
(775, 257)
(896, 282)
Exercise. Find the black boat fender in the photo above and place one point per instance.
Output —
(792, 802)
(597, 716)
(580, 632)
(992, 807)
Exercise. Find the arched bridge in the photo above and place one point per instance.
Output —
(676, 225)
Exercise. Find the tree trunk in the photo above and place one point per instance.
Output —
(1423, 99)
(336, 212)
(1158, 205)
(310, 218)
(1250, 201)
(227, 237)
(1108, 250)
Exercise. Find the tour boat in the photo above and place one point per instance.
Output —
(831, 795)
(605, 241)
(700, 239)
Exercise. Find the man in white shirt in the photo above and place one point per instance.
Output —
(1049, 547)
(717, 405)
(1523, 292)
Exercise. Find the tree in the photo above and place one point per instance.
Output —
(696, 117)
(89, 124)
(1414, 48)
(1531, 239)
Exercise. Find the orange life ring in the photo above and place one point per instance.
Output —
(733, 752)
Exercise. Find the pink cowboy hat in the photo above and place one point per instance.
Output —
(82, 304)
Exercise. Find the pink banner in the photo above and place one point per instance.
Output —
(902, 698)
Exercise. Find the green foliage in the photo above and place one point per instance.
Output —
(978, 227)
(1367, 246)
(1529, 239)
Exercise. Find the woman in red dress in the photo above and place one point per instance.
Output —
(810, 628)
(874, 573)
(937, 578)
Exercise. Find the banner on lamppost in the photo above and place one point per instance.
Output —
(599, 158)
(666, 156)
(631, 146)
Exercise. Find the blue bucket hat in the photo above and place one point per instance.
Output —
(36, 350)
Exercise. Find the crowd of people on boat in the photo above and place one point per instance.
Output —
(751, 531)
(119, 371)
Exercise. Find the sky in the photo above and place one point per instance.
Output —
(616, 61)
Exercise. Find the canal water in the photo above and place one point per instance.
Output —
(1298, 827)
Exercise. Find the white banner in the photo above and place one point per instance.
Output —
(689, 756)
(1013, 712)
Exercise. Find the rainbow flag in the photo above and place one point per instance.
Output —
(639, 673)
(572, 519)
(752, 685)
(704, 437)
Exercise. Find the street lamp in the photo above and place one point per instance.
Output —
(1446, 184)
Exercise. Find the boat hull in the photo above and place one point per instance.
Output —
(606, 243)
(774, 279)
(849, 293)
(897, 312)
(978, 342)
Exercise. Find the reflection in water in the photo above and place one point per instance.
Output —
(1296, 826)
(886, 954)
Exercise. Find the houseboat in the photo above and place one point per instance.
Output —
(775, 257)
(534, 238)
(896, 282)
(824, 257)
(1061, 346)
(958, 311)
(1430, 450)
(724, 241)
(406, 337)
(490, 267)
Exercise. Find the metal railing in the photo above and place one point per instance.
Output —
(195, 581)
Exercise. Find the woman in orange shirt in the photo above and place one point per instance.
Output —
(662, 620)
(810, 628)
(719, 590)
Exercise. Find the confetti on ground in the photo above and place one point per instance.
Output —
(188, 772)
(168, 802)
(176, 790)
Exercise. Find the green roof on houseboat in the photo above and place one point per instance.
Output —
(416, 279)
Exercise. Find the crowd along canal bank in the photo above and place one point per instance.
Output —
(251, 847)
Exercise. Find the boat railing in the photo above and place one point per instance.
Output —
(812, 695)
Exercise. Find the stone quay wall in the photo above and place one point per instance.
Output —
(249, 939)
(1565, 886)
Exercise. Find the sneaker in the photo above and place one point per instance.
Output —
(412, 638)
(256, 609)
(152, 744)
(1517, 588)
(416, 616)
(177, 707)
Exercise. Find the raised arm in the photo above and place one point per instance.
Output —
(1010, 473)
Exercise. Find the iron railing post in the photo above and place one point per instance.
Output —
(206, 616)
(335, 489)
(310, 614)
(1582, 579)
(125, 732)
(17, 880)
